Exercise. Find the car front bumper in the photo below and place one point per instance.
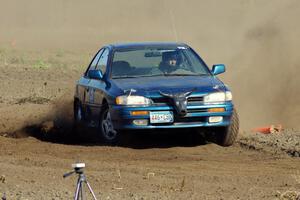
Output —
(197, 116)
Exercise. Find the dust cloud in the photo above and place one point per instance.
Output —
(257, 40)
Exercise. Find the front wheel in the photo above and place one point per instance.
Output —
(226, 136)
(109, 134)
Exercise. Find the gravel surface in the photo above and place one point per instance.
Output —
(286, 141)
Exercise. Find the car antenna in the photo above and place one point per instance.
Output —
(172, 19)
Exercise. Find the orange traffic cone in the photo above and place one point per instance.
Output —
(268, 129)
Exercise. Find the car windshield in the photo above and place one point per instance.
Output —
(147, 62)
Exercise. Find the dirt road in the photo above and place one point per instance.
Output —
(161, 166)
(33, 170)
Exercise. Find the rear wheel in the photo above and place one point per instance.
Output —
(108, 133)
(78, 121)
(78, 116)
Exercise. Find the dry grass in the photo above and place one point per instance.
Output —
(44, 60)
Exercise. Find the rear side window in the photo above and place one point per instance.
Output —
(103, 61)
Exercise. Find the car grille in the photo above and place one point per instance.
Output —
(189, 119)
(165, 100)
(160, 100)
(195, 99)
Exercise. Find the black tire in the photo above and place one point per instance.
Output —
(108, 134)
(226, 136)
(78, 120)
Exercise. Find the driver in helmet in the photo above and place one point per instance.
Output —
(169, 62)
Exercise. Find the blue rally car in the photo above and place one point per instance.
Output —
(154, 86)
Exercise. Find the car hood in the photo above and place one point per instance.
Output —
(150, 86)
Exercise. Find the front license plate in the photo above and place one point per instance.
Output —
(161, 117)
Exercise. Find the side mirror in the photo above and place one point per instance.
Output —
(218, 69)
(95, 74)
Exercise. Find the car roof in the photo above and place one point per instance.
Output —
(146, 45)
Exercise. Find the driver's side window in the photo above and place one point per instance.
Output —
(93, 64)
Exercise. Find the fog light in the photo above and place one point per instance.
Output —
(216, 110)
(139, 112)
(140, 122)
(215, 119)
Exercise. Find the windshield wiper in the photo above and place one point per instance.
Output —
(125, 76)
(166, 74)
(151, 75)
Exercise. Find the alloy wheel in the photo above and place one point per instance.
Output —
(107, 127)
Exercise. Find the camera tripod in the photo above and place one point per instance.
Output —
(78, 169)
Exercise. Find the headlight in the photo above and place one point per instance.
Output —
(228, 96)
(132, 100)
(218, 97)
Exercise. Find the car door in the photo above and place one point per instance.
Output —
(97, 88)
(83, 85)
